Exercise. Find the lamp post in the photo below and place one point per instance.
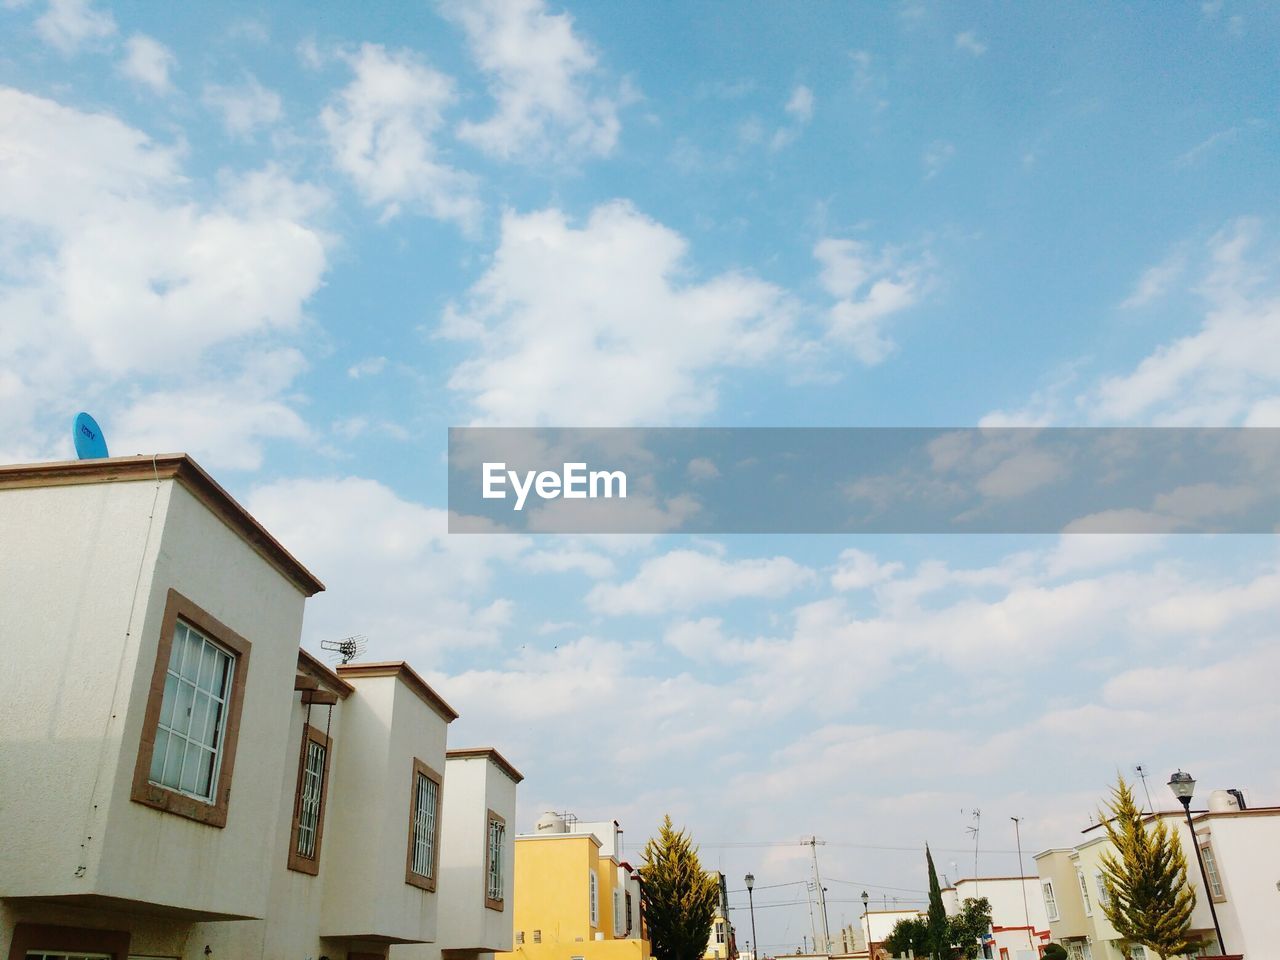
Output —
(751, 882)
(1183, 786)
(867, 919)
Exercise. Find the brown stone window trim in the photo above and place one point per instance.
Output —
(34, 937)
(418, 880)
(492, 903)
(163, 798)
(297, 861)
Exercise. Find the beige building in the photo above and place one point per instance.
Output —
(1241, 849)
(180, 780)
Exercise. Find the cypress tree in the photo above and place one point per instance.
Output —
(939, 932)
(679, 896)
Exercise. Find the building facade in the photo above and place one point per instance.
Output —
(181, 780)
(575, 898)
(1239, 846)
(1019, 927)
(721, 942)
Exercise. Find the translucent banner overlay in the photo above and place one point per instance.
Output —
(864, 480)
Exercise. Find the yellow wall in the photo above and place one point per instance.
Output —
(552, 895)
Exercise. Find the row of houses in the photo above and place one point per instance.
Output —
(181, 780)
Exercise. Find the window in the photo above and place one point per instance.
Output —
(719, 931)
(309, 802)
(595, 899)
(519, 937)
(1211, 868)
(1050, 901)
(47, 955)
(1136, 952)
(192, 721)
(537, 936)
(39, 941)
(1104, 898)
(630, 924)
(1077, 950)
(494, 856)
(424, 821)
(1084, 893)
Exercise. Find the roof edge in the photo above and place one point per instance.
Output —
(167, 466)
(408, 676)
(489, 753)
(317, 670)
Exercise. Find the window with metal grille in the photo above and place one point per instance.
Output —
(719, 931)
(1211, 868)
(494, 881)
(309, 809)
(537, 936)
(193, 714)
(1050, 901)
(519, 937)
(426, 794)
(1104, 898)
(1084, 893)
(595, 899)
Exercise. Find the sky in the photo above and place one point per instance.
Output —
(301, 240)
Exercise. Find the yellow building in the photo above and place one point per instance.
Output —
(574, 897)
(721, 943)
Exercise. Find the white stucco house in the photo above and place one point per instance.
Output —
(181, 780)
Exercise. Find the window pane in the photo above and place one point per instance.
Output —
(183, 694)
(199, 718)
(178, 646)
(204, 776)
(157, 757)
(191, 657)
(209, 664)
(166, 704)
(190, 769)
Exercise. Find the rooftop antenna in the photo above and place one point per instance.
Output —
(1141, 771)
(976, 814)
(347, 649)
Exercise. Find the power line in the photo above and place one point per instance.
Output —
(854, 846)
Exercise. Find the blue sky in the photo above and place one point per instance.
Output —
(300, 242)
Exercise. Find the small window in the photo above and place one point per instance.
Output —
(1211, 868)
(1136, 952)
(1050, 901)
(424, 824)
(719, 931)
(191, 725)
(309, 802)
(493, 898)
(595, 899)
(1104, 898)
(1084, 893)
(519, 937)
(630, 922)
(537, 936)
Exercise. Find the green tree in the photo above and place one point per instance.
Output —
(1145, 878)
(967, 927)
(939, 941)
(911, 933)
(679, 896)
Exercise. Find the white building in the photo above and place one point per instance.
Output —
(1241, 850)
(1019, 926)
(180, 780)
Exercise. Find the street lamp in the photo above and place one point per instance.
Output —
(1183, 786)
(865, 899)
(751, 882)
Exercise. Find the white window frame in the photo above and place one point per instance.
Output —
(595, 898)
(207, 701)
(1050, 900)
(1216, 889)
(426, 795)
(1084, 893)
(1104, 898)
(313, 769)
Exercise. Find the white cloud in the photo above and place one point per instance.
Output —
(967, 40)
(382, 128)
(368, 367)
(391, 570)
(1227, 369)
(685, 579)
(858, 570)
(68, 25)
(800, 106)
(244, 108)
(869, 287)
(602, 324)
(149, 62)
(1156, 281)
(115, 277)
(936, 156)
(540, 75)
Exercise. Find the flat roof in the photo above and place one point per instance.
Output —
(407, 675)
(487, 753)
(315, 669)
(167, 466)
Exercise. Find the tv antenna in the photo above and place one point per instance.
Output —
(973, 831)
(347, 649)
(1141, 771)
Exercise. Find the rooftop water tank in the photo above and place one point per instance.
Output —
(1223, 801)
(550, 822)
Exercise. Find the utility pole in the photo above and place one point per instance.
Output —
(1026, 911)
(822, 897)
